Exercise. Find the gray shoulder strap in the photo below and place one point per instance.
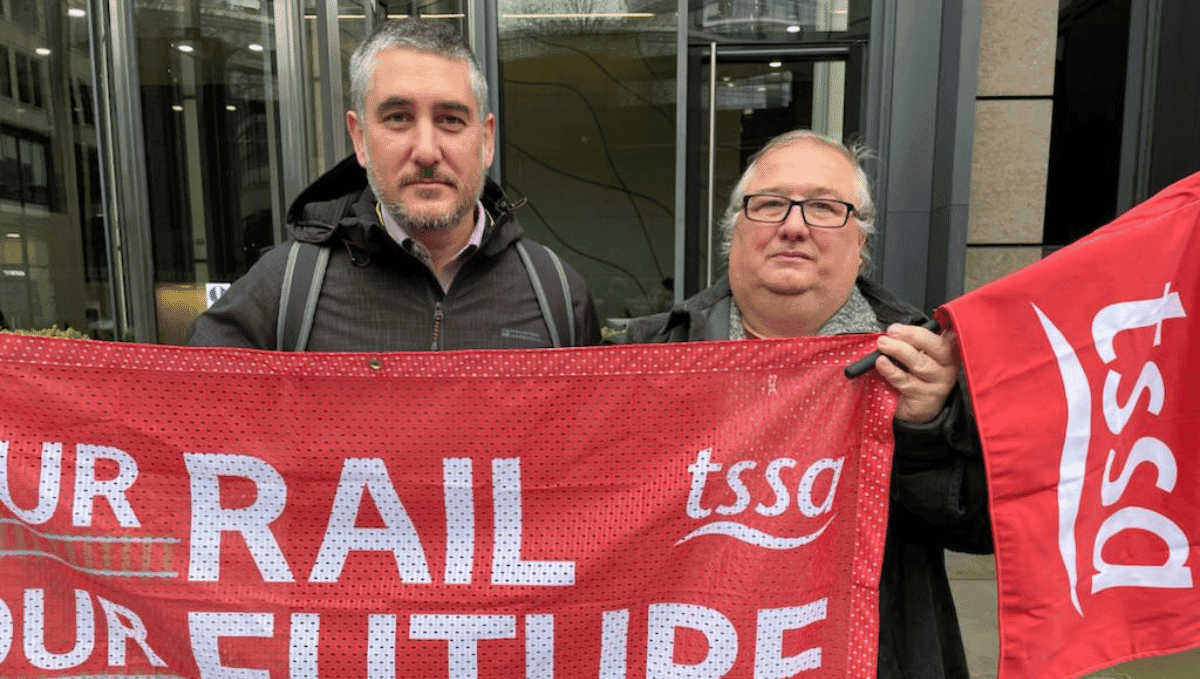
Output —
(553, 291)
(302, 279)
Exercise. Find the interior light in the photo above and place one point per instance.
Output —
(230, 107)
(43, 51)
(186, 48)
(176, 107)
(76, 12)
(255, 47)
(775, 64)
(593, 15)
(793, 29)
(10, 234)
(360, 17)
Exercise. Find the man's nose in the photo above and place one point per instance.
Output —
(425, 144)
(794, 226)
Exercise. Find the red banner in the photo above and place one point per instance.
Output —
(1082, 369)
(709, 509)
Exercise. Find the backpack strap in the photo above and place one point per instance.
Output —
(549, 280)
(302, 279)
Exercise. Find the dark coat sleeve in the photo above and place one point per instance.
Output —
(247, 314)
(939, 486)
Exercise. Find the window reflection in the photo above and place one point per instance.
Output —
(777, 19)
(5, 78)
(588, 133)
(53, 251)
(209, 105)
(329, 140)
(25, 14)
(443, 10)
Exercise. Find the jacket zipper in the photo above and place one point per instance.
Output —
(437, 325)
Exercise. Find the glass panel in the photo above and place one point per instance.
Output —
(24, 91)
(443, 10)
(25, 14)
(756, 99)
(210, 112)
(588, 132)
(10, 169)
(35, 188)
(5, 78)
(781, 20)
(352, 28)
(35, 81)
(314, 101)
(51, 221)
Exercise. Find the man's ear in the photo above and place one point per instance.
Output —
(489, 140)
(357, 135)
(862, 244)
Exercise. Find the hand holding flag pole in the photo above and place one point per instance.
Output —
(862, 365)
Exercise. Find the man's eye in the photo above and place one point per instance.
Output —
(771, 203)
(397, 117)
(453, 122)
(825, 207)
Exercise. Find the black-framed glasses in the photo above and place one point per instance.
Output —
(821, 213)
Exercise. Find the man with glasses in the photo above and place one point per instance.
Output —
(794, 233)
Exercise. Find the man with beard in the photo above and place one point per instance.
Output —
(424, 252)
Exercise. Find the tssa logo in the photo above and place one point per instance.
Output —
(1106, 325)
(812, 481)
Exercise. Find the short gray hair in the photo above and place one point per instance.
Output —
(855, 153)
(431, 36)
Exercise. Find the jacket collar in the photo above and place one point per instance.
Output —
(693, 312)
(341, 205)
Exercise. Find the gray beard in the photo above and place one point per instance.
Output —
(411, 222)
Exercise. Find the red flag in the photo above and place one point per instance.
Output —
(1082, 369)
(712, 509)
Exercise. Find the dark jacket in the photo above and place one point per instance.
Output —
(379, 297)
(938, 498)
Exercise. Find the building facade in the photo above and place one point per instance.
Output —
(152, 146)
(149, 148)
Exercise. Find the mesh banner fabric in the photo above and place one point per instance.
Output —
(714, 509)
(1082, 369)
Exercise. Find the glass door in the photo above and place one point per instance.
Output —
(587, 131)
(222, 112)
(740, 99)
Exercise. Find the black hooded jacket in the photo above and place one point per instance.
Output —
(377, 296)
